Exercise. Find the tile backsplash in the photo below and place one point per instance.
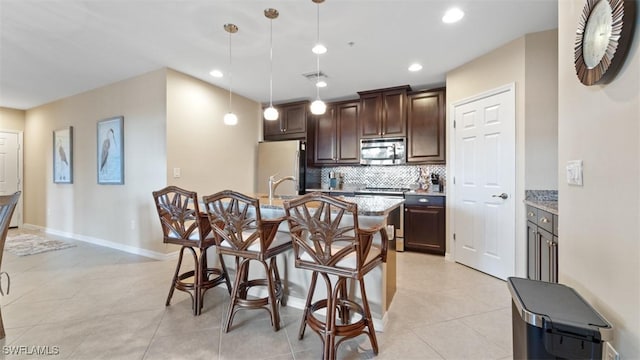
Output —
(355, 177)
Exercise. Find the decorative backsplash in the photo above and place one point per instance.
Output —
(541, 195)
(396, 176)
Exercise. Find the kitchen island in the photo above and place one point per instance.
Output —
(380, 282)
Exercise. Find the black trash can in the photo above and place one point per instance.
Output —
(552, 321)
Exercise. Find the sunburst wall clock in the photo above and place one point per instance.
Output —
(603, 38)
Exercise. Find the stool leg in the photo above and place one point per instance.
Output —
(312, 288)
(225, 273)
(271, 289)
(241, 267)
(367, 314)
(195, 298)
(175, 278)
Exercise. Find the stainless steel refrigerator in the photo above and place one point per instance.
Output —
(281, 159)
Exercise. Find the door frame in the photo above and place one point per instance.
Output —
(19, 205)
(451, 166)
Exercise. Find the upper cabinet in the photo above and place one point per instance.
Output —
(336, 134)
(426, 127)
(383, 112)
(291, 124)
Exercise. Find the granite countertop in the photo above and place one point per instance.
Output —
(423, 192)
(367, 205)
(546, 200)
(546, 205)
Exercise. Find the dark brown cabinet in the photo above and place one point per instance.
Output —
(336, 134)
(424, 223)
(542, 245)
(291, 124)
(383, 112)
(426, 126)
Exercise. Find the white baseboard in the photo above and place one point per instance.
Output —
(106, 243)
(449, 257)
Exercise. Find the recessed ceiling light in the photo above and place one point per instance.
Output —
(321, 84)
(319, 49)
(452, 15)
(415, 67)
(216, 73)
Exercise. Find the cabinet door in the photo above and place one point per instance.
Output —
(394, 118)
(533, 251)
(370, 115)
(554, 260)
(272, 127)
(294, 119)
(424, 229)
(426, 128)
(325, 137)
(546, 239)
(348, 144)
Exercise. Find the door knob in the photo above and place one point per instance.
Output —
(503, 196)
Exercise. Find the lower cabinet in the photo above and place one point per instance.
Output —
(424, 223)
(542, 245)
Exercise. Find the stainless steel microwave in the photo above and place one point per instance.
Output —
(384, 151)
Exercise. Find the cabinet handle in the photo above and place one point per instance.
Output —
(544, 220)
(423, 200)
(530, 214)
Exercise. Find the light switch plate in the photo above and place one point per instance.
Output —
(176, 172)
(574, 172)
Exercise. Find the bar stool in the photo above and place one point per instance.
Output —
(183, 224)
(244, 234)
(328, 241)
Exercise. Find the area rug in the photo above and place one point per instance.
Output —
(30, 244)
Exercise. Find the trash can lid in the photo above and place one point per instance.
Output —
(556, 306)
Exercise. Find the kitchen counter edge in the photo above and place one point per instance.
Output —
(546, 205)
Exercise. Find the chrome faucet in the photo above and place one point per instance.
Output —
(273, 184)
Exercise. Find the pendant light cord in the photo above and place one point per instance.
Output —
(318, 55)
(271, 65)
(230, 74)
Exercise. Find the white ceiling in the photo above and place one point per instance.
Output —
(50, 49)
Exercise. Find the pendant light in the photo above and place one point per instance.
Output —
(318, 107)
(271, 113)
(230, 118)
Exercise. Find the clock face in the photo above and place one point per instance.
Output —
(597, 34)
(603, 38)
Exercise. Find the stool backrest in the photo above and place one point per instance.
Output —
(180, 217)
(235, 217)
(325, 233)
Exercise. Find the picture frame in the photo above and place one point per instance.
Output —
(110, 151)
(63, 156)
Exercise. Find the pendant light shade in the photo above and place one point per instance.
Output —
(271, 113)
(230, 118)
(318, 107)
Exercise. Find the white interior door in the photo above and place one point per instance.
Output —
(484, 170)
(10, 170)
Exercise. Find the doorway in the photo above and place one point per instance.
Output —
(11, 169)
(484, 182)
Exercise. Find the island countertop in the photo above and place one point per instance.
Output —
(367, 205)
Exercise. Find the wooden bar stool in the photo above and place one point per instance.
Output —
(328, 241)
(244, 234)
(183, 224)
(7, 206)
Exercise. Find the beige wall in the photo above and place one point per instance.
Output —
(502, 66)
(12, 119)
(117, 214)
(599, 246)
(170, 120)
(541, 111)
(211, 156)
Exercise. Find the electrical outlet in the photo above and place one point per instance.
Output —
(133, 224)
(609, 352)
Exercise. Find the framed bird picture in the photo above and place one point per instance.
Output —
(111, 151)
(63, 156)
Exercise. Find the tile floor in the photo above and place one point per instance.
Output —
(91, 302)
